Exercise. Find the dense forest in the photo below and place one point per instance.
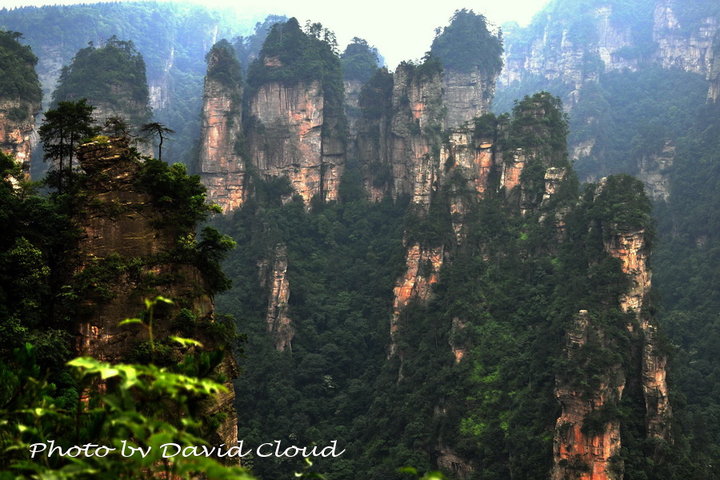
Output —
(530, 294)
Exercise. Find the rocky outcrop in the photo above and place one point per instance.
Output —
(422, 272)
(587, 437)
(558, 51)
(17, 130)
(120, 226)
(574, 51)
(683, 46)
(466, 95)
(470, 162)
(273, 275)
(631, 249)
(415, 128)
(586, 445)
(286, 139)
(221, 167)
(125, 255)
(654, 172)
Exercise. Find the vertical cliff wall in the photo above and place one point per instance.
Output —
(573, 45)
(20, 97)
(221, 167)
(466, 95)
(273, 276)
(586, 445)
(631, 249)
(589, 389)
(131, 250)
(17, 129)
(286, 139)
(296, 123)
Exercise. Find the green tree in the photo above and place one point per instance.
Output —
(359, 61)
(63, 130)
(467, 43)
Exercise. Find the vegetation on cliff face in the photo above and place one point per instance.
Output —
(359, 60)
(505, 298)
(17, 63)
(47, 289)
(467, 43)
(291, 56)
(223, 65)
(654, 123)
(248, 47)
(111, 77)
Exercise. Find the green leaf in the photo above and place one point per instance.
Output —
(130, 320)
(186, 342)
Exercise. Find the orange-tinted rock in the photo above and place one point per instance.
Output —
(422, 272)
(589, 455)
(279, 324)
(17, 133)
(631, 250)
(221, 167)
(287, 139)
(512, 170)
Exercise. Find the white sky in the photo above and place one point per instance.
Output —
(400, 29)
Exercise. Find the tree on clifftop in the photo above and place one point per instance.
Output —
(62, 132)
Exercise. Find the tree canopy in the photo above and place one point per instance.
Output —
(467, 43)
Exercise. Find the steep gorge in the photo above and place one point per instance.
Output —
(489, 200)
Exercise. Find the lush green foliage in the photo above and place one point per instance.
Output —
(343, 260)
(467, 43)
(19, 81)
(301, 56)
(223, 65)
(686, 264)
(505, 299)
(112, 76)
(62, 132)
(122, 407)
(376, 95)
(359, 60)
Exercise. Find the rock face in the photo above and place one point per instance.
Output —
(587, 438)
(124, 256)
(574, 51)
(682, 46)
(466, 166)
(286, 139)
(423, 266)
(630, 248)
(466, 95)
(653, 172)
(221, 167)
(417, 99)
(17, 130)
(557, 53)
(273, 275)
(581, 453)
